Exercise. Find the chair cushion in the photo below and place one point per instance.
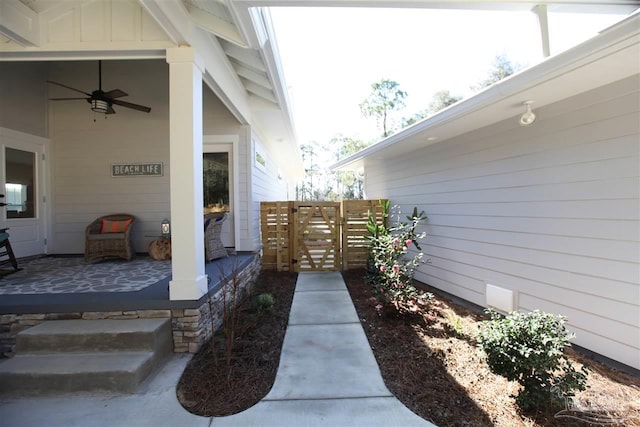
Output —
(115, 226)
(106, 236)
(4, 236)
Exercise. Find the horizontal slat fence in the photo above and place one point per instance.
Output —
(277, 235)
(282, 230)
(355, 246)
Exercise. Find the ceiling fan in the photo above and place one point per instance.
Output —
(102, 102)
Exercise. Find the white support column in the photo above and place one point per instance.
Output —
(185, 133)
(543, 22)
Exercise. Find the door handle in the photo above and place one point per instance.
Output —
(3, 205)
(1, 196)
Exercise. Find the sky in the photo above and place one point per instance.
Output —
(331, 56)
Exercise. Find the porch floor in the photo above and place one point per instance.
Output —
(67, 284)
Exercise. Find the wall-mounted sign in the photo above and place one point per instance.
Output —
(137, 169)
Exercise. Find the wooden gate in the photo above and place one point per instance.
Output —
(315, 236)
(316, 245)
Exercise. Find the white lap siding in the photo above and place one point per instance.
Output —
(549, 211)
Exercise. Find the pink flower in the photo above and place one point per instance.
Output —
(396, 268)
(408, 242)
(383, 268)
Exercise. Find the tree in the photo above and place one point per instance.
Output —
(306, 191)
(440, 100)
(349, 184)
(502, 68)
(385, 98)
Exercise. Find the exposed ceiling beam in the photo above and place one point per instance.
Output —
(261, 92)
(543, 22)
(19, 23)
(257, 78)
(215, 25)
(246, 56)
(173, 17)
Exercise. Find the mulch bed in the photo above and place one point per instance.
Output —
(211, 387)
(430, 363)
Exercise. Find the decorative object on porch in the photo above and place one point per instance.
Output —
(213, 246)
(165, 228)
(109, 236)
(101, 102)
(160, 248)
(6, 250)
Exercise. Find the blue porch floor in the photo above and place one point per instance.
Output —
(67, 284)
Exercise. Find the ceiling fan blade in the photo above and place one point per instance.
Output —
(110, 110)
(69, 87)
(130, 105)
(66, 99)
(116, 93)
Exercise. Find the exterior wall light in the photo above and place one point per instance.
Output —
(528, 117)
(165, 228)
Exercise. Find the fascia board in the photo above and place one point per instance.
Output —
(590, 6)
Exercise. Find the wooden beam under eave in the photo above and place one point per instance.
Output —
(257, 78)
(543, 22)
(246, 56)
(261, 92)
(213, 24)
(19, 23)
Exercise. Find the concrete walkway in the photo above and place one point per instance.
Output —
(327, 376)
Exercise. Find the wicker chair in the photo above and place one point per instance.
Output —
(109, 236)
(213, 246)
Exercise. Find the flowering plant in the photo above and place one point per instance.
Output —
(394, 254)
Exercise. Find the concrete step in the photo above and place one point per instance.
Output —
(41, 374)
(86, 355)
(95, 335)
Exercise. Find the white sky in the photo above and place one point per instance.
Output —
(332, 56)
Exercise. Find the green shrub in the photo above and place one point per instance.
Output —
(393, 260)
(265, 303)
(530, 348)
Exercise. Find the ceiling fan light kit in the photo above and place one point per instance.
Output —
(99, 106)
(100, 101)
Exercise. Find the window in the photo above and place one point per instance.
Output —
(215, 185)
(19, 186)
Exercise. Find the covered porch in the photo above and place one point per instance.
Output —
(65, 287)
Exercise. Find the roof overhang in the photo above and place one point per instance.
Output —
(569, 6)
(610, 56)
(235, 42)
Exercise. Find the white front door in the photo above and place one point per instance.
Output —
(22, 190)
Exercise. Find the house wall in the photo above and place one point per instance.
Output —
(267, 184)
(549, 212)
(23, 94)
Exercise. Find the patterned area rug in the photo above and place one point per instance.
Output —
(53, 275)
